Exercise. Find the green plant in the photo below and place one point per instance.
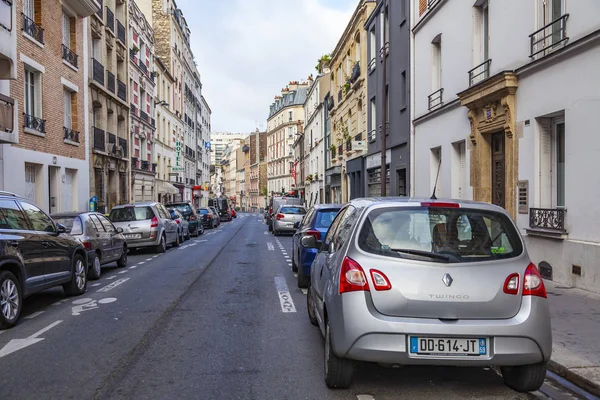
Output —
(332, 148)
(325, 58)
(264, 191)
(346, 87)
(135, 48)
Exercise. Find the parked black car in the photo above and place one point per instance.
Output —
(103, 241)
(35, 254)
(190, 214)
(207, 218)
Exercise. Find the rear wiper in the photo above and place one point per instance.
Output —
(429, 254)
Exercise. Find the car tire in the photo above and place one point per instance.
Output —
(294, 265)
(95, 269)
(177, 240)
(275, 233)
(303, 280)
(188, 236)
(524, 378)
(338, 371)
(10, 291)
(162, 245)
(310, 307)
(201, 230)
(122, 261)
(78, 283)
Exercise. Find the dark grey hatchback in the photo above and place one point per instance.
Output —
(35, 254)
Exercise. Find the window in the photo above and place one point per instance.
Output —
(68, 117)
(372, 45)
(458, 170)
(436, 63)
(401, 182)
(374, 182)
(373, 116)
(72, 224)
(552, 162)
(96, 222)
(435, 171)
(403, 90)
(11, 217)
(32, 93)
(108, 226)
(39, 220)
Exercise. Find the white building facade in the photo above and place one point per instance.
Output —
(507, 114)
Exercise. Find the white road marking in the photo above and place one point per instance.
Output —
(156, 256)
(95, 284)
(270, 246)
(266, 233)
(133, 267)
(295, 275)
(285, 298)
(149, 259)
(18, 344)
(91, 305)
(304, 291)
(113, 285)
(123, 272)
(35, 314)
(141, 262)
(58, 303)
(365, 397)
(82, 301)
(107, 300)
(111, 277)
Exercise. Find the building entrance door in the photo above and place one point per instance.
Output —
(498, 170)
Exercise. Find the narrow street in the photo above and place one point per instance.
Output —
(207, 320)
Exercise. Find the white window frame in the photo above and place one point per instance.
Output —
(66, 29)
(436, 64)
(548, 187)
(34, 89)
(67, 107)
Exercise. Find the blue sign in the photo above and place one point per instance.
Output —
(207, 145)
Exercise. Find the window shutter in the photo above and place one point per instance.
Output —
(74, 124)
(73, 34)
(37, 11)
(422, 6)
(66, 31)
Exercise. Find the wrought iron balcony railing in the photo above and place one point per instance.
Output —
(110, 81)
(372, 135)
(110, 19)
(70, 134)
(121, 32)
(348, 145)
(99, 139)
(143, 66)
(121, 90)
(69, 56)
(355, 72)
(35, 123)
(101, 9)
(435, 99)
(33, 29)
(97, 71)
(480, 72)
(123, 145)
(133, 109)
(144, 116)
(340, 94)
(372, 64)
(549, 37)
(547, 218)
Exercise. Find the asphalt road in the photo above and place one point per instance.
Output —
(202, 321)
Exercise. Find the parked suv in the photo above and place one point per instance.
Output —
(191, 215)
(103, 241)
(145, 225)
(429, 282)
(35, 254)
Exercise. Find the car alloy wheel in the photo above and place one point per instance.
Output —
(80, 274)
(9, 299)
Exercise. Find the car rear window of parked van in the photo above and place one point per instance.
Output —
(441, 234)
(292, 210)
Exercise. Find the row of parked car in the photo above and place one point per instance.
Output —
(401, 281)
(40, 251)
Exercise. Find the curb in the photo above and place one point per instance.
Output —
(579, 380)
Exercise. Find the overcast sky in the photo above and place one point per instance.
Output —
(247, 50)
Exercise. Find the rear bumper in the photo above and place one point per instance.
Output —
(282, 227)
(361, 333)
(153, 240)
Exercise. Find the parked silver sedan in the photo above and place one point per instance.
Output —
(103, 242)
(286, 217)
(428, 282)
(145, 225)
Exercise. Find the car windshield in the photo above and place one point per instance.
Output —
(325, 218)
(73, 224)
(440, 234)
(292, 210)
(137, 213)
(184, 209)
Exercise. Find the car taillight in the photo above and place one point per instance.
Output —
(380, 281)
(533, 284)
(280, 216)
(314, 233)
(192, 218)
(153, 222)
(440, 204)
(511, 284)
(270, 211)
(352, 277)
(178, 221)
(87, 245)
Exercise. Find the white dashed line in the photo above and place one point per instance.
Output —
(365, 397)
(133, 267)
(96, 284)
(123, 272)
(140, 263)
(149, 259)
(113, 285)
(270, 246)
(111, 277)
(35, 314)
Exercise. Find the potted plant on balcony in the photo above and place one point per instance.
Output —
(135, 49)
(323, 63)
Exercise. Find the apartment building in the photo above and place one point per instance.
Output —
(110, 147)
(257, 178)
(45, 51)
(388, 35)
(203, 124)
(142, 84)
(349, 114)
(285, 121)
(507, 116)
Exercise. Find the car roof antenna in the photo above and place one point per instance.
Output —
(436, 180)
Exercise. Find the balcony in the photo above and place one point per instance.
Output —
(355, 73)
(99, 11)
(348, 145)
(110, 20)
(548, 219)
(340, 94)
(84, 8)
(143, 67)
(145, 166)
(110, 81)
(480, 72)
(134, 162)
(144, 117)
(70, 135)
(133, 109)
(121, 33)
(123, 146)
(121, 90)
(112, 144)
(330, 104)
(549, 38)
(33, 29)
(99, 139)
(34, 123)
(7, 117)
(372, 64)
(371, 136)
(69, 56)
(97, 71)
(435, 99)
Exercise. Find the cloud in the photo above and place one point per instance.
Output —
(247, 50)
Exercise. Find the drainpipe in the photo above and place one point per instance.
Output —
(412, 103)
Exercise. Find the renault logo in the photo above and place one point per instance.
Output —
(447, 279)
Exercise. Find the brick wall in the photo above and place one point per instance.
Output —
(49, 15)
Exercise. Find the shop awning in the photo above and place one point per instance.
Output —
(166, 187)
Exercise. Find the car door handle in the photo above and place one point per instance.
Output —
(321, 274)
(45, 243)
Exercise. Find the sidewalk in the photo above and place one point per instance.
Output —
(576, 335)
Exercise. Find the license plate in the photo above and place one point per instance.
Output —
(133, 236)
(290, 225)
(427, 346)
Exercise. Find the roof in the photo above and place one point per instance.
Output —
(295, 97)
(71, 214)
(324, 206)
(366, 201)
(144, 203)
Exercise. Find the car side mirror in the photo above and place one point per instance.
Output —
(60, 228)
(296, 225)
(119, 230)
(309, 242)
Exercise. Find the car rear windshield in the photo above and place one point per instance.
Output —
(73, 224)
(292, 210)
(452, 235)
(325, 218)
(204, 211)
(184, 209)
(137, 213)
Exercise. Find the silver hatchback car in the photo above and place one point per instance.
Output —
(285, 218)
(428, 282)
